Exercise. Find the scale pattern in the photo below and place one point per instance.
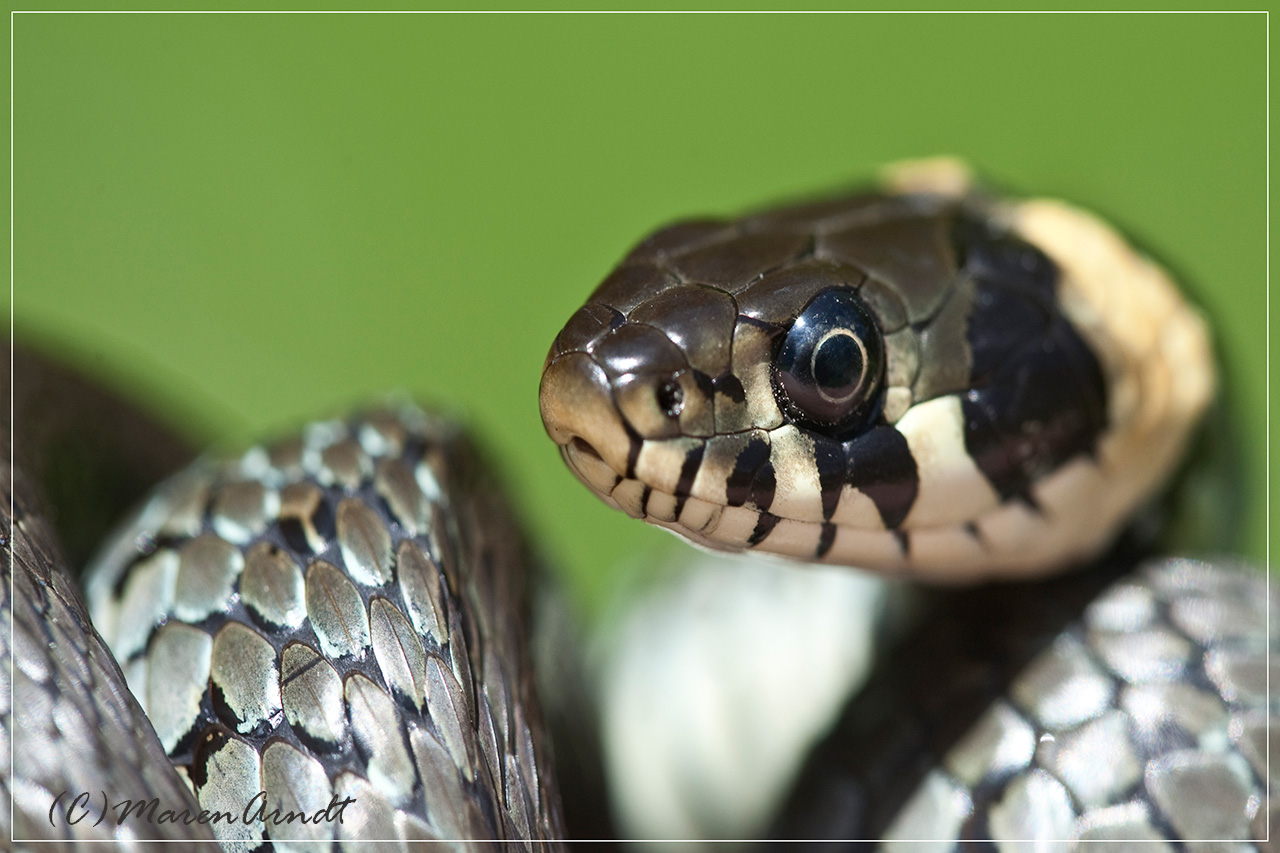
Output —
(340, 614)
(1104, 706)
(73, 726)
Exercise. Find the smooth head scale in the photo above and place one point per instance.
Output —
(918, 378)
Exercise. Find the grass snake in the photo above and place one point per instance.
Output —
(923, 379)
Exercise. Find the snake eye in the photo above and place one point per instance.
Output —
(831, 362)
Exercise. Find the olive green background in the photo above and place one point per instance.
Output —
(247, 220)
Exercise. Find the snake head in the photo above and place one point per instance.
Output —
(916, 378)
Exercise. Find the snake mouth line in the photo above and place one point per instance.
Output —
(581, 445)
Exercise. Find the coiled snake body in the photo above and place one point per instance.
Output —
(921, 380)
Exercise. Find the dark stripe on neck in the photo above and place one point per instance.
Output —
(765, 522)
(1037, 393)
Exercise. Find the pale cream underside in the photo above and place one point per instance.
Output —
(776, 651)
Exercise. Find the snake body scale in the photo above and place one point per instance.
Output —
(922, 379)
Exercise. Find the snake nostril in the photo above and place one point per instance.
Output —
(585, 447)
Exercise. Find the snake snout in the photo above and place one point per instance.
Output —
(579, 414)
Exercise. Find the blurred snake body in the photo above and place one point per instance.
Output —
(922, 380)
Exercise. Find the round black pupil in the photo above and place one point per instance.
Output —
(837, 365)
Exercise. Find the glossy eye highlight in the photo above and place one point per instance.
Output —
(829, 368)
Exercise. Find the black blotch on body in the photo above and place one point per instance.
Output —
(145, 548)
(737, 487)
(1037, 394)
(324, 522)
(880, 465)
(212, 739)
(314, 743)
(322, 519)
(227, 714)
